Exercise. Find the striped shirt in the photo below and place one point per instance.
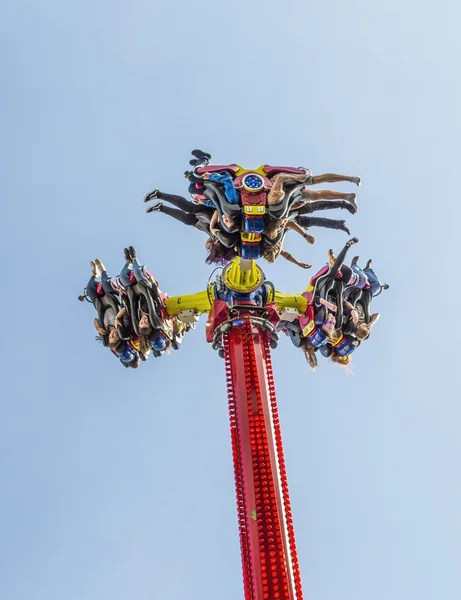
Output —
(109, 318)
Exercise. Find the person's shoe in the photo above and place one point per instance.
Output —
(154, 208)
(357, 181)
(193, 162)
(201, 154)
(151, 195)
(385, 286)
(132, 252)
(352, 200)
(354, 261)
(127, 255)
(351, 242)
(331, 257)
(368, 265)
(343, 227)
(99, 265)
(94, 269)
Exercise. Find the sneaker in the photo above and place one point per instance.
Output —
(343, 227)
(99, 265)
(368, 265)
(352, 205)
(127, 255)
(151, 195)
(357, 181)
(154, 208)
(132, 252)
(331, 257)
(354, 261)
(94, 269)
(354, 240)
(200, 154)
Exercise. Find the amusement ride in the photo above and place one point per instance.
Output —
(246, 315)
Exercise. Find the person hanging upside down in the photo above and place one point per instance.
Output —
(133, 273)
(151, 337)
(99, 285)
(107, 329)
(225, 179)
(277, 192)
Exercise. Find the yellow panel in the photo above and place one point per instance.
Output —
(309, 327)
(259, 170)
(254, 210)
(250, 237)
(286, 300)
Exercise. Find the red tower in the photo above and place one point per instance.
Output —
(269, 558)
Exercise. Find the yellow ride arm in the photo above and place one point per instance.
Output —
(287, 300)
(199, 302)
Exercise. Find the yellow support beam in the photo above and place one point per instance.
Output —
(200, 302)
(287, 300)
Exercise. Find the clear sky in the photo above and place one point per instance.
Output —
(118, 484)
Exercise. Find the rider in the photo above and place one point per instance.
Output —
(97, 289)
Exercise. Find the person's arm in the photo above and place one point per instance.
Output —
(121, 313)
(373, 320)
(295, 227)
(293, 260)
(349, 310)
(98, 327)
(214, 222)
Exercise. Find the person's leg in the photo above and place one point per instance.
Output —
(178, 201)
(332, 178)
(314, 195)
(139, 271)
(362, 278)
(311, 207)
(340, 258)
(375, 284)
(322, 222)
(187, 218)
(276, 193)
(125, 274)
(106, 283)
(91, 289)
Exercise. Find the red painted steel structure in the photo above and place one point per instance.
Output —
(269, 558)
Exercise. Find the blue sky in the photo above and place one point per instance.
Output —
(118, 484)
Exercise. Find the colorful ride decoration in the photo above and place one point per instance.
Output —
(253, 187)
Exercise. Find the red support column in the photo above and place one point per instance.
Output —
(269, 558)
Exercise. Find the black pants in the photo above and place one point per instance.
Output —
(183, 204)
(316, 205)
(319, 222)
(180, 215)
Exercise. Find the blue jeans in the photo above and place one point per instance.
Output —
(227, 182)
(362, 281)
(375, 284)
(138, 271)
(91, 286)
